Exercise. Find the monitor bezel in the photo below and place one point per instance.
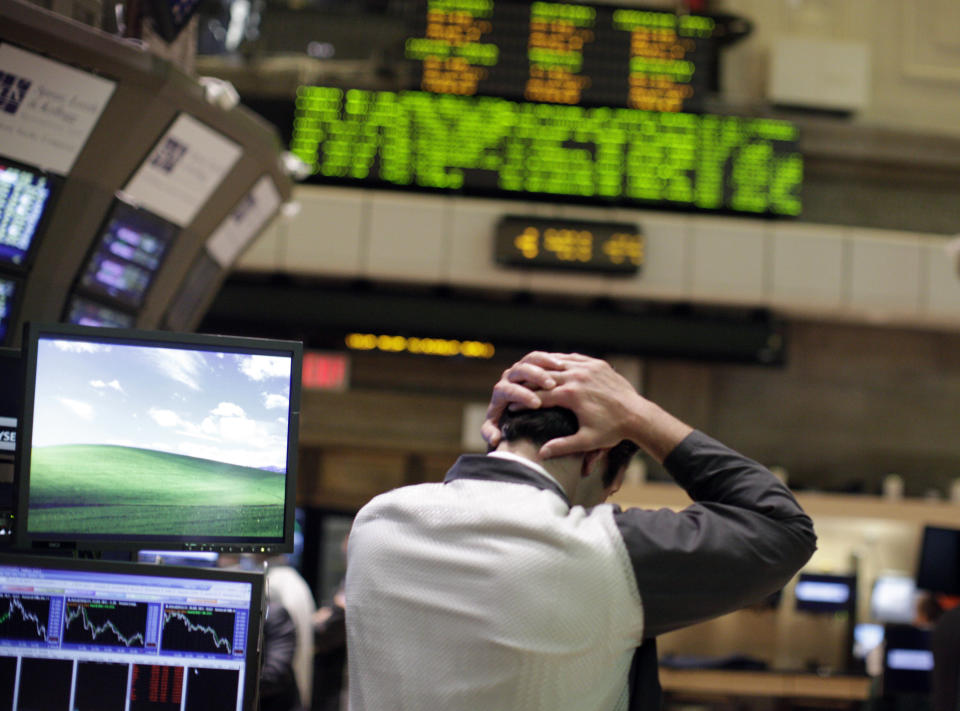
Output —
(119, 203)
(258, 600)
(56, 184)
(33, 332)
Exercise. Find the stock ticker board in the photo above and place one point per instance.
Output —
(556, 100)
(564, 53)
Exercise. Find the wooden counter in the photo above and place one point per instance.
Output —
(766, 684)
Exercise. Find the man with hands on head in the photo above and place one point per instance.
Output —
(510, 586)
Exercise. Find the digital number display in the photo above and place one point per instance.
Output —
(590, 54)
(561, 244)
(483, 145)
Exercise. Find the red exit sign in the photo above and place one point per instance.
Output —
(325, 371)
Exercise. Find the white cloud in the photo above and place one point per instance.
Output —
(165, 418)
(272, 401)
(182, 366)
(80, 409)
(115, 384)
(257, 367)
(239, 429)
(80, 347)
(228, 409)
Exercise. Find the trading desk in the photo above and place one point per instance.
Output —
(780, 685)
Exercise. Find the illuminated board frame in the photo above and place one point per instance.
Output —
(570, 245)
(477, 145)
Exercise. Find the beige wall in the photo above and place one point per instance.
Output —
(914, 45)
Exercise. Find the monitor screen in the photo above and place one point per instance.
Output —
(25, 200)
(893, 599)
(85, 312)
(939, 569)
(92, 635)
(825, 593)
(131, 248)
(907, 661)
(866, 638)
(8, 295)
(139, 439)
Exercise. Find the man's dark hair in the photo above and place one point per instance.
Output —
(540, 426)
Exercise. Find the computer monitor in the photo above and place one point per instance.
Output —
(26, 199)
(867, 636)
(894, 599)
(132, 246)
(939, 568)
(90, 635)
(150, 439)
(9, 289)
(86, 312)
(907, 660)
(825, 593)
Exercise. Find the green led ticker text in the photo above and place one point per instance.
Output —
(453, 142)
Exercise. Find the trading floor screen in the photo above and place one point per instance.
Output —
(96, 640)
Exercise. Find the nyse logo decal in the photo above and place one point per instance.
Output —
(168, 155)
(8, 436)
(12, 91)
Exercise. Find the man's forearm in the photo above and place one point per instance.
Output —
(655, 430)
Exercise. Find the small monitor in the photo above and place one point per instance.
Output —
(151, 439)
(939, 568)
(88, 634)
(825, 593)
(26, 197)
(866, 637)
(907, 661)
(8, 299)
(85, 312)
(894, 599)
(124, 261)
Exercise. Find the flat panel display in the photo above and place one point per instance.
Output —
(894, 599)
(138, 439)
(584, 53)
(124, 261)
(92, 635)
(908, 660)
(481, 145)
(825, 593)
(939, 568)
(85, 312)
(8, 297)
(26, 199)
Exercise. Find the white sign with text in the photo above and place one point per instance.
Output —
(244, 223)
(47, 109)
(184, 168)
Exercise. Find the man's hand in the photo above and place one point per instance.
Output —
(607, 406)
(518, 387)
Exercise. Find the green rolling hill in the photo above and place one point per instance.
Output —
(107, 489)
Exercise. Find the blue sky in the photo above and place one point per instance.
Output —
(222, 406)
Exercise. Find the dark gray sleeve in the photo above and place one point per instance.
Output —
(743, 538)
